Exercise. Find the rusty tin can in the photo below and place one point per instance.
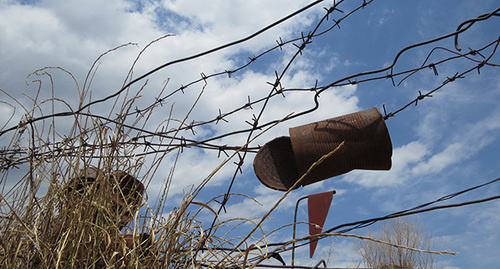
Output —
(367, 145)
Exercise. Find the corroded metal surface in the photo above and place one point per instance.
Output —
(367, 145)
(274, 164)
(124, 191)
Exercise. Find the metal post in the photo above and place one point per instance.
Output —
(294, 224)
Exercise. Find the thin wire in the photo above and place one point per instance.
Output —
(412, 211)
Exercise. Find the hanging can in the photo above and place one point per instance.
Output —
(367, 145)
(124, 193)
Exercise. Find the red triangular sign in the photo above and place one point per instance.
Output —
(318, 205)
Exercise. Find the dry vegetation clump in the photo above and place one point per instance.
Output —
(74, 192)
(398, 232)
(73, 227)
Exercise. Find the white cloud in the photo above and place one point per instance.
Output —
(227, 21)
(71, 34)
(470, 140)
(441, 160)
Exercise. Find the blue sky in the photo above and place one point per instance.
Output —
(445, 144)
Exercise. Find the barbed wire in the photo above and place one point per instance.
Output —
(7, 155)
(145, 142)
(349, 80)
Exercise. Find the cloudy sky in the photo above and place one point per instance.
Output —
(447, 143)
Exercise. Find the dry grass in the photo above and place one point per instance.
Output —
(80, 200)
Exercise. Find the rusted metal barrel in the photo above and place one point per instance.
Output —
(367, 145)
(124, 192)
(127, 194)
